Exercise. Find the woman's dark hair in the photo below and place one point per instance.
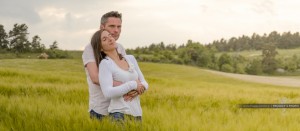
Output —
(97, 47)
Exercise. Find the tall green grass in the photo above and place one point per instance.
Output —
(53, 95)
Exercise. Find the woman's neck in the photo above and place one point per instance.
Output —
(112, 54)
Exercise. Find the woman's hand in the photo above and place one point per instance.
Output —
(140, 87)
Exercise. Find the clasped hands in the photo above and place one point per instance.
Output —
(133, 93)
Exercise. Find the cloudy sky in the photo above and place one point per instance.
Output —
(72, 22)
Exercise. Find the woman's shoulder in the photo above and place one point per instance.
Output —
(106, 61)
(131, 57)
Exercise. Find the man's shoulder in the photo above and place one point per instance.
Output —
(120, 46)
(88, 47)
(88, 54)
(88, 50)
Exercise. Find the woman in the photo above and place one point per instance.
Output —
(115, 67)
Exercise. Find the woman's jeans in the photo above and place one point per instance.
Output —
(117, 116)
(95, 115)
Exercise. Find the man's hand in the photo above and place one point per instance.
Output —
(130, 95)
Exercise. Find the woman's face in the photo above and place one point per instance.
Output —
(108, 42)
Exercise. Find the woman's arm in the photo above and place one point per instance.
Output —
(106, 82)
(140, 74)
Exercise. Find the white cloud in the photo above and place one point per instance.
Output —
(52, 13)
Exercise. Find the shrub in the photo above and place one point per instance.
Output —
(254, 67)
(240, 69)
(56, 53)
(227, 68)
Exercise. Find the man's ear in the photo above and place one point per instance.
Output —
(101, 27)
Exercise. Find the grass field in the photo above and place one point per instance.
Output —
(9, 55)
(53, 95)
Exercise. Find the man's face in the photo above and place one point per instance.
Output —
(113, 26)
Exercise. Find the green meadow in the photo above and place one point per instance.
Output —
(53, 95)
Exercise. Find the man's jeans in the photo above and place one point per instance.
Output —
(95, 115)
(117, 116)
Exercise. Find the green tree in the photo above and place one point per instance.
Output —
(238, 63)
(273, 38)
(36, 44)
(54, 45)
(171, 47)
(224, 59)
(18, 39)
(195, 54)
(269, 63)
(3, 38)
(227, 68)
(254, 67)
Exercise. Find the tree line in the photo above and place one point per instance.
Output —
(286, 40)
(197, 54)
(16, 41)
(191, 53)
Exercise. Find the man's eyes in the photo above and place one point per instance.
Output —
(113, 26)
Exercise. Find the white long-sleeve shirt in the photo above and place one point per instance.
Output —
(97, 101)
(109, 71)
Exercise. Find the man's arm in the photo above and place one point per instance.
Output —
(93, 72)
(90, 64)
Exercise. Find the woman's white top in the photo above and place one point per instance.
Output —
(97, 101)
(109, 71)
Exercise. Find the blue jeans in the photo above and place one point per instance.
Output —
(117, 116)
(95, 115)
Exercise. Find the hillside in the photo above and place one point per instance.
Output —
(284, 81)
(282, 53)
(53, 95)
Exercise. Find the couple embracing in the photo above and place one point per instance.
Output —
(115, 80)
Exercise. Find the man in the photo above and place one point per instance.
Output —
(112, 22)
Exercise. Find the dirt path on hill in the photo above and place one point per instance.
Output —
(282, 81)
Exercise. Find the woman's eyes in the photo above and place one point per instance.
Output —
(104, 38)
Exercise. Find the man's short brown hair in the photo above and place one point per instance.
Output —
(105, 17)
